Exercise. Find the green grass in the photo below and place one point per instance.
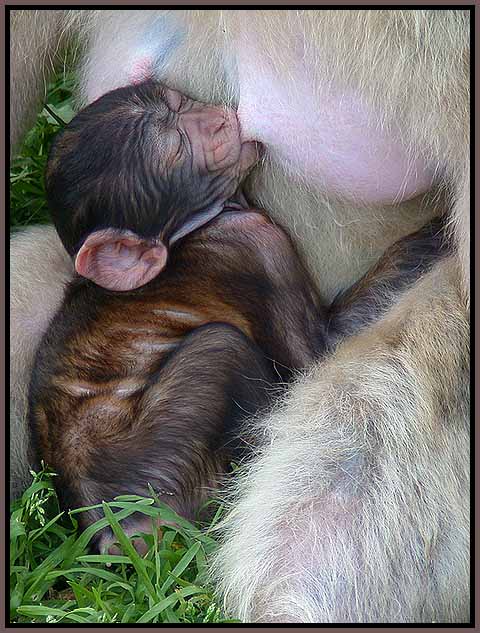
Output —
(27, 192)
(55, 578)
(53, 575)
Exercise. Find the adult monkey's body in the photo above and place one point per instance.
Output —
(357, 508)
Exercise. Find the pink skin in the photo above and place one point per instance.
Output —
(329, 137)
(120, 260)
(224, 148)
(341, 149)
(141, 70)
(214, 133)
(107, 544)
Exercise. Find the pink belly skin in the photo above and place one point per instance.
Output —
(329, 138)
(323, 136)
(141, 69)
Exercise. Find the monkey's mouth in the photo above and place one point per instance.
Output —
(249, 153)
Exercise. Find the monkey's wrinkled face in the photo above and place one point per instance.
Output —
(202, 160)
(137, 170)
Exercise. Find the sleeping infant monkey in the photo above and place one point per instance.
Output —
(149, 386)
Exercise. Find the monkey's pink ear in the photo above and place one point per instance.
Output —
(120, 260)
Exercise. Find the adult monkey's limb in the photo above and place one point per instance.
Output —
(34, 39)
(357, 508)
(39, 264)
(39, 269)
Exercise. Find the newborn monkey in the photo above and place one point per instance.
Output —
(150, 387)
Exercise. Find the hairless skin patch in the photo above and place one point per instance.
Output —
(331, 137)
(328, 136)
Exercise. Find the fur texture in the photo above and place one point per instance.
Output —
(356, 509)
(39, 271)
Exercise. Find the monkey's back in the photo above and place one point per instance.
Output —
(97, 362)
(119, 370)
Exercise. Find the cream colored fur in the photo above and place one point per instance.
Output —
(39, 270)
(356, 507)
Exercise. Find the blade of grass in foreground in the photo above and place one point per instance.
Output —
(131, 552)
(167, 602)
(54, 578)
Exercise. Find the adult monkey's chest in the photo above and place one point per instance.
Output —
(323, 130)
(315, 123)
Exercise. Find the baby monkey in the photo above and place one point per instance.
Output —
(150, 386)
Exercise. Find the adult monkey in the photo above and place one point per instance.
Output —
(356, 509)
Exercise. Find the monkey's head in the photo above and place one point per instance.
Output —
(137, 170)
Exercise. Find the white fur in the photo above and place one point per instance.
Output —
(356, 508)
(39, 270)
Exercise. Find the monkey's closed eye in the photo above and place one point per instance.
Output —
(178, 149)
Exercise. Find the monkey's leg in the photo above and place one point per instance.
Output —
(39, 270)
(357, 509)
(185, 434)
(398, 269)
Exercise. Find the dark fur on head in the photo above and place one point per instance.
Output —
(142, 158)
(102, 171)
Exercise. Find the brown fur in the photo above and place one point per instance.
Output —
(150, 387)
(159, 379)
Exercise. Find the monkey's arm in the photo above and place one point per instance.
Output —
(396, 271)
